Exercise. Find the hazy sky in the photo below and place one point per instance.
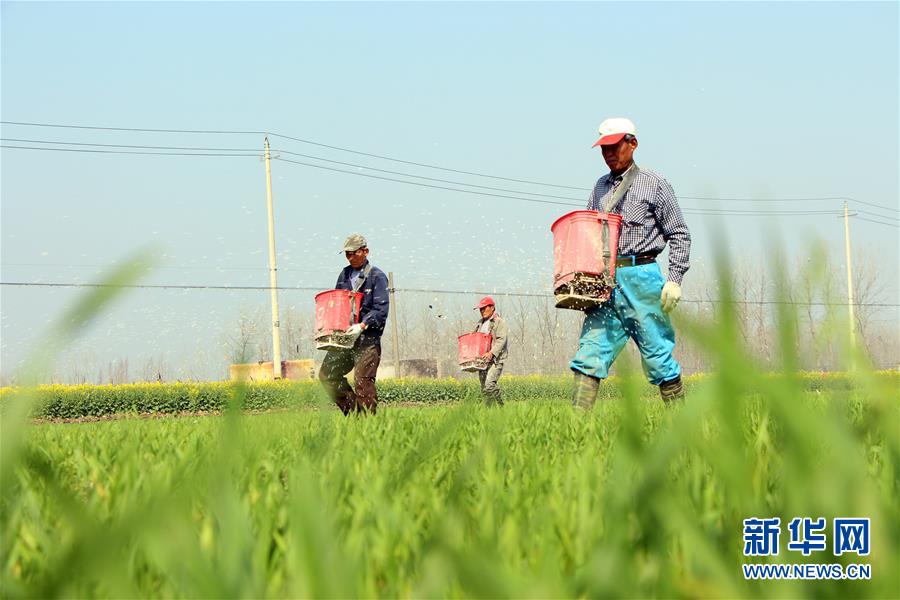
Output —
(732, 100)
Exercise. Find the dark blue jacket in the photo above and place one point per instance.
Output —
(374, 310)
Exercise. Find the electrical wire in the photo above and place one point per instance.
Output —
(148, 286)
(135, 129)
(428, 185)
(57, 142)
(275, 151)
(407, 290)
(420, 164)
(292, 138)
(879, 222)
(579, 205)
(173, 267)
(686, 210)
(748, 212)
(89, 151)
(868, 212)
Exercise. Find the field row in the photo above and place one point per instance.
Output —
(72, 402)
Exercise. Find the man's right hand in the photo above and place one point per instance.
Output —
(354, 330)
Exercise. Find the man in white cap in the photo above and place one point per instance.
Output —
(492, 324)
(642, 299)
(360, 276)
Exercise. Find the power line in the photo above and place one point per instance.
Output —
(813, 199)
(545, 295)
(288, 137)
(428, 166)
(57, 142)
(174, 267)
(486, 187)
(275, 150)
(686, 210)
(89, 151)
(700, 211)
(868, 212)
(400, 173)
(419, 164)
(879, 222)
(237, 288)
(408, 290)
(135, 129)
(763, 213)
(428, 185)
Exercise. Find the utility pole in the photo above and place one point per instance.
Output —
(395, 342)
(850, 309)
(273, 280)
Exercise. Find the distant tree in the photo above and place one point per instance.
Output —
(242, 345)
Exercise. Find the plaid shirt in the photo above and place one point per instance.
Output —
(650, 218)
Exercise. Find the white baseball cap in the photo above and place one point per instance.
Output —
(614, 129)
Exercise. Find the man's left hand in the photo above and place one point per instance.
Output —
(671, 294)
(355, 330)
(488, 356)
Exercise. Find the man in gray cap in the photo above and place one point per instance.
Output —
(359, 276)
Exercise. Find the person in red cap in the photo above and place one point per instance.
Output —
(643, 297)
(492, 324)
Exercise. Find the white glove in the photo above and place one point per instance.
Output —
(354, 330)
(671, 294)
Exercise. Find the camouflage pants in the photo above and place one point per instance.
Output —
(363, 361)
(489, 383)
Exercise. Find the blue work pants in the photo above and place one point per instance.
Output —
(634, 310)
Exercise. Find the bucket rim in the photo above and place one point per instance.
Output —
(613, 217)
(332, 291)
(459, 337)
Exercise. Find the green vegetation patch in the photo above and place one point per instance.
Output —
(76, 401)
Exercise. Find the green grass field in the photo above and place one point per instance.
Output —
(632, 499)
(532, 500)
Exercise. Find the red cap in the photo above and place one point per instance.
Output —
(486, 301)
(609, 140)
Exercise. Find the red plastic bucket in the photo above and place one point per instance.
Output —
(585, 241)
(336, 310)
(471, 347)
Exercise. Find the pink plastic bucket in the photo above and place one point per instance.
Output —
(336, 310)
(585, 241)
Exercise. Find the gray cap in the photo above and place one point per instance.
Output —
(354, 243)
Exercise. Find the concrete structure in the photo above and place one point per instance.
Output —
(413, 367)
(263, 371)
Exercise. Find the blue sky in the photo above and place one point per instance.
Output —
(733, 100)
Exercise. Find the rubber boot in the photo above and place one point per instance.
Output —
(672, 390)
(585, 394)
(346, 403)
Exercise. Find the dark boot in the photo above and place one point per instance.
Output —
(672, 390)
(366, 406)
(492, 397)
(346, 402)
(585, 391)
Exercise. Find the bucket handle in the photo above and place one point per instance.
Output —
(604, 239)
(353, 308)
